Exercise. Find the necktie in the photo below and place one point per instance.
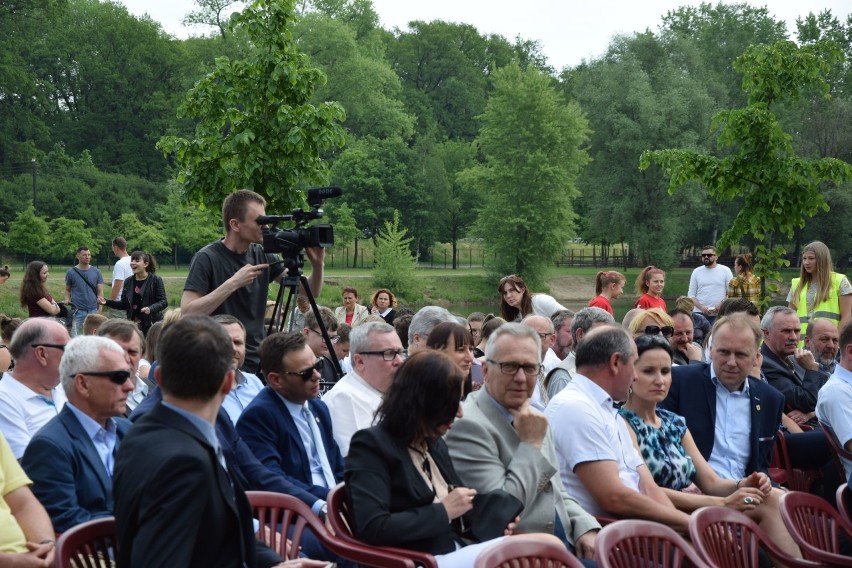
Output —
(319, 448)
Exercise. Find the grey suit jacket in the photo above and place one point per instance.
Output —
(488, 454)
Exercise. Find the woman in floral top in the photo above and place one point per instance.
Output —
(673, 458)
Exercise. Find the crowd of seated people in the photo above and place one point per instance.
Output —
(545, 425)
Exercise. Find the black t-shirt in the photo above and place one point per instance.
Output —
(212, 266)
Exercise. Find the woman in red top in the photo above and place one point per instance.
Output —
(34, 294)
(650, 284)
(609, 285)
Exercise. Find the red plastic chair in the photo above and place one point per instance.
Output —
(726, 538)
(282, 515)
(816, 527)
(523, 551)
(92, 544)
(839, 450)
(797, 479)
(338, 517)
(844, 502)
(632, 542)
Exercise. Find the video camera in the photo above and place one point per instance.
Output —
(291, 242)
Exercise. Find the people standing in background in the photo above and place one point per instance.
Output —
(351, 312)
(120, 272)
(383, 303)
(143, 295)
(4, 274)
(84, 284)
(650, 284)
(819, 292)
(708, 284)
(745, 284)
(34, 294)
(609, 285)
(516, 301)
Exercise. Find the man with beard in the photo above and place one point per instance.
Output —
(685, 349)
(708, 284)
(823, 340)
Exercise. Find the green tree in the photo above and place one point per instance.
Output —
(345, 228)
(395, 265)
(532, 143)
(215, 13)
(759, 164)
(256, 125)
(144, 236)
(27, 233)
(66, 235)
(184, 225)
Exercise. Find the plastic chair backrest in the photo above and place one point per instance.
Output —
(525, 551)
(633, 542)
(92, 544)
(816, 527)
(839, 450)
(844, 502)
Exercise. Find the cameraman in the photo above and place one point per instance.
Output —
(232, 275)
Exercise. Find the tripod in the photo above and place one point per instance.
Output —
(291, 283)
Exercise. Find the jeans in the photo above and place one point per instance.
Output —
(78, 321)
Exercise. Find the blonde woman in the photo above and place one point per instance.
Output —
(819, 292)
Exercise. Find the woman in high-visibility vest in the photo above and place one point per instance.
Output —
(819, 292)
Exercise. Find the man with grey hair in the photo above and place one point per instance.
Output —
(129, 337)
(559, 377)
(822, 338)
(563, 342)
(30, 395)
(71, 459)
(544, 329)
(502, 442)
(376, 353)
(599, 464)
(794, 372)
(422, 324)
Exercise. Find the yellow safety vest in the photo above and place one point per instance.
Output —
(828, 309)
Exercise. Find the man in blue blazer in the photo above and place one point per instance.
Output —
(286, 426)
(732, 417)
(70, 459)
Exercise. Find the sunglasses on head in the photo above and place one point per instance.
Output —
(117, 377)
(666, 331)
(307, 374)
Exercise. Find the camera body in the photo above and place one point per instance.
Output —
(292, 242)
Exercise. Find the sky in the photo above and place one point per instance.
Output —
(568, 31)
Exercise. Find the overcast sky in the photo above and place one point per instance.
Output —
(568, 31)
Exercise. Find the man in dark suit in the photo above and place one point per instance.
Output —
(721, 397)
(286, 426)
(70, 460)
(793, 371)
(176, 504)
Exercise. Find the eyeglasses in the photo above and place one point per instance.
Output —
(387, 354)
(706, 255)
(307, 374)
(667, 330)
(544, 336)
(117, 377)
(511, 368)
(59, 346)
(334, 338)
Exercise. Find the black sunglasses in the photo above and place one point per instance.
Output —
(707, 255)
(308, 373)
(667, 330)
(117, 377)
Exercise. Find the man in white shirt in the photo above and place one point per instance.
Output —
(708, 284)
(599, 465)
(376, 353)
(835, 398)
(120, 272)
(30, 395)
(544, 328)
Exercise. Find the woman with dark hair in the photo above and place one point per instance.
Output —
(516, 301)
(609, 285)
(34, 294)
(650, 284)
(673, 457)
(401, 485)
(8, 325)
(745, 284)
(351, 312)
(456, 341)
(144, 294)
(383, 304)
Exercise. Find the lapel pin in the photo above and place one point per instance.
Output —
(757, 408)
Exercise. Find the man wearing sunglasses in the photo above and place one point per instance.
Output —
(30, 394)
(286, 426)
(708, 284)
(71, 459)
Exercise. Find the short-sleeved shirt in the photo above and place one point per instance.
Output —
(23, 412)
(602, 303)
(586, 427)
(662, 448)
(647, 301)
(121, 271)
(833, 408)
(83, 284)
(212, 266)
(12, 477)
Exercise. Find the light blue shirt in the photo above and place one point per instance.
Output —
(104, 439)
(248, 386)
(732, 434)
(207, 430)
(307, 437)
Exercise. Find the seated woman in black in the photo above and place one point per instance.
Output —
(401, 485)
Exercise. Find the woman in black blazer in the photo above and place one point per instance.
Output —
(143, 294)
(402, 488)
